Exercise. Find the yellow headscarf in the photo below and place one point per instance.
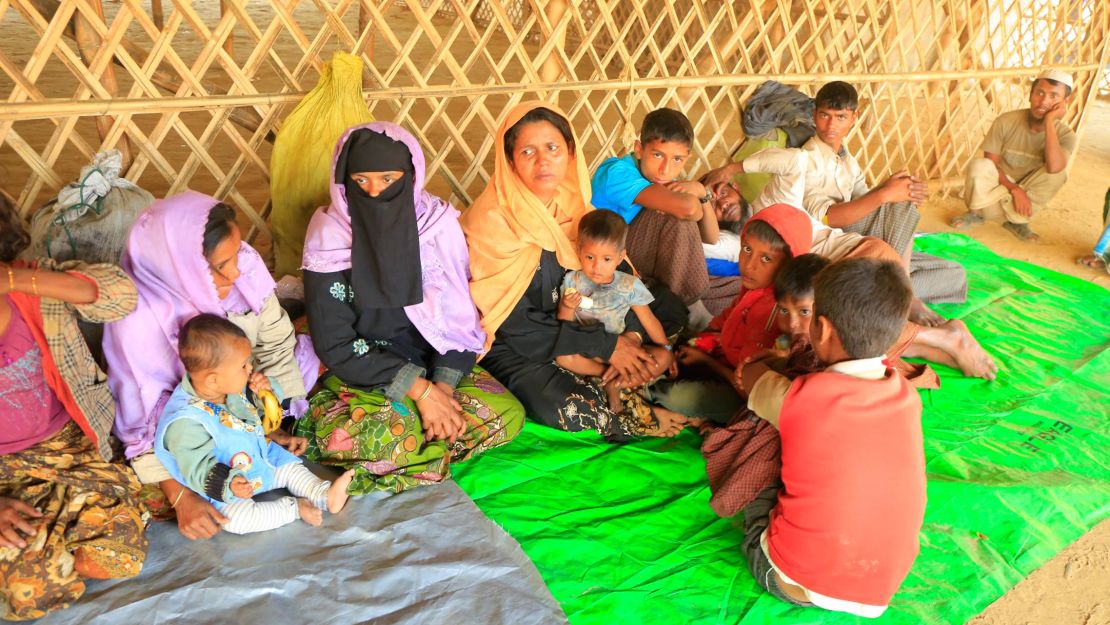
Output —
(507, 227)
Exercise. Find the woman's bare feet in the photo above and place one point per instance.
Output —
(923, 316)
(956, 341)
(337, 492)
(669, 422)
(309, 512)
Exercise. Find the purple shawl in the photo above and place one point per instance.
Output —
(447, 318)
(165, 258)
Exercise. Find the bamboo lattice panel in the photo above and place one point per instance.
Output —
(195, 90)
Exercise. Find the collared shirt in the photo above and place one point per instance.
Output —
(766, 400)
(769, 391)
(1021, 149)
(812, 177)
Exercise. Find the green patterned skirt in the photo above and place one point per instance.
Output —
(384, 440)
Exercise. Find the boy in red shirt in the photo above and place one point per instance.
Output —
(841, 531)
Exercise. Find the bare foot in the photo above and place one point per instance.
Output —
(956, 340)
(337, 492)
(309, 512)
(614, 393)
(670, 422)
(922, 316)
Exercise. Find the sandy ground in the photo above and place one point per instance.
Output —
(1071, 224)
(1074, 587)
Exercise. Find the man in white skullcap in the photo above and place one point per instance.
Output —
(1025, 155)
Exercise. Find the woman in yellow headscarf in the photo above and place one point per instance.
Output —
(521, 233)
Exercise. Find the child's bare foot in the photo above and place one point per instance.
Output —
(614, 393)
(669, 422)
(956, 340)
(922, 316)
(309, 512)
(337, 492)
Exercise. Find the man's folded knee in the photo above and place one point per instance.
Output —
(981, 166)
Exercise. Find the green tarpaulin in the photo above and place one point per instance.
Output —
(1017, 469)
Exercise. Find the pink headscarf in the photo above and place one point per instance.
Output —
(165, 258)
(447, 317)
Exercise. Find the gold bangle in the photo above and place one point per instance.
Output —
(34, 282)
(179, 494)
(427, 391)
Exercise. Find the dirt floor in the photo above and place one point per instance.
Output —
(1074, 587)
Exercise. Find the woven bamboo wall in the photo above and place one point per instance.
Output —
(195, 90)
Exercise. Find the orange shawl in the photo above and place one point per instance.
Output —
(507, 227)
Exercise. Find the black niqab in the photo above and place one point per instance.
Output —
(385, 241)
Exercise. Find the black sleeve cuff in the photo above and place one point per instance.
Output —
(216, 482)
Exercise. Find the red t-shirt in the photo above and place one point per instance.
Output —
(853, 464)
(747, 325)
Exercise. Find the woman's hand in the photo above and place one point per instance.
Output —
(15, 517)
(630, 364)
(196, 518)
(440, 415)
(296, 445)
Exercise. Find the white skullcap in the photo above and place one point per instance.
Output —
(1058, 75)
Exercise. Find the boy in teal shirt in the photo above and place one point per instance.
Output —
(668, 219)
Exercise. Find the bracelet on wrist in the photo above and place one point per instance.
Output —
(427, 391)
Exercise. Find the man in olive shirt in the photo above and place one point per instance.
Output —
(1025, 154)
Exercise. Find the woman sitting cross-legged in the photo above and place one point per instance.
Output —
(385, 272)
(187, 256)
(521, 231)
(66, 513)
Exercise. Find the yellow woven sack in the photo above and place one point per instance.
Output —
(301, 163)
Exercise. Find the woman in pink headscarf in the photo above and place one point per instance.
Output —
(187, 256)
(389, 307)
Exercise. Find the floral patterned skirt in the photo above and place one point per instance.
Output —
(91, 525)
(384, 440)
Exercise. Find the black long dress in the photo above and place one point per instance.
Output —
(526, 344)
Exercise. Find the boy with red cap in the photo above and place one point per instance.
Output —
(770, 238)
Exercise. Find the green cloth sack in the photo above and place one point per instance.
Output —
(301, 163)
(751, 185)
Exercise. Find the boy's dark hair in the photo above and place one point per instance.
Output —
(218, 227)
(1054, 83)
(539, 114)
(13, 232)
(836, 95)
(795, 277)
(867, 301)
(204, 341)
(759, 229)
(666, 125)
(603, 226)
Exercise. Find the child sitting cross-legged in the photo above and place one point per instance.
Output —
(769, 239)
(599, 294)
(210, 437)
(840, 531)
